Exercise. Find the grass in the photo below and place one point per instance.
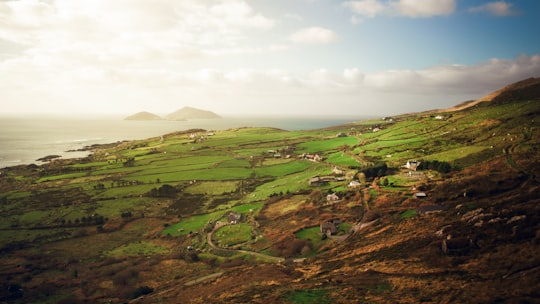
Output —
(114, 208)
(61, 177)
(289, 183)
(312, 235)
(233, 234)
(213, 187)
(408, 214)
(138, 249)
(197, 222)
(342, 159)
(308, 296)
(456, 153)
(192, 224)
(327, 144)
(283, 169)
(34, 217)
(124, 191)
(245, 208)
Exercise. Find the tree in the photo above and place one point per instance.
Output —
(143, 290)
(376, 170)
(164, 191)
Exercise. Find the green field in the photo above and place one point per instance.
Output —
(233, 234)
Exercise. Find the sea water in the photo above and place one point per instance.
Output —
(25, 139)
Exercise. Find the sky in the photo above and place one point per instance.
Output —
(264, 57)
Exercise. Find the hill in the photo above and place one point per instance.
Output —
(143, 116)
(424, 207)
(191, 113)
(528, 89)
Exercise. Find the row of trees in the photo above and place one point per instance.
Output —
(165, 190)
(381, 169)
(86, 220)
(439, 166)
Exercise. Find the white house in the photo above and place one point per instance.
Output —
(354, 184)
(332, 198)
(412, 165)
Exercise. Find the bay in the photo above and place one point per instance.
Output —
(25, 139)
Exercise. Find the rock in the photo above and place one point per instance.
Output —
(516, 219)
(473, 215)
(456, 246)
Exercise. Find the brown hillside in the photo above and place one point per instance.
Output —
(528, 89)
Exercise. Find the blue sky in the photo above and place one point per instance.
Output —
(294, 57)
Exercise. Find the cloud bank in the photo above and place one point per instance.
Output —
(406, 8)
(316, 35)
(125, 56)
(498, 8)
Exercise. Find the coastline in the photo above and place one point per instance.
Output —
(26, 139)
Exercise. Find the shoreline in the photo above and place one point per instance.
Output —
(25, 139)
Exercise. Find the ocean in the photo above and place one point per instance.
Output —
(25, 139)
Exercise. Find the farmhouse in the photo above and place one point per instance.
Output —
(332, 198)
(354, 184)
(420, 195)
(412, 165)
(234, 218)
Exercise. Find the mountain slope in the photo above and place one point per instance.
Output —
(527, 89)
(191, 113)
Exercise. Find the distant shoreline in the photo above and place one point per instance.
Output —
(26, 139)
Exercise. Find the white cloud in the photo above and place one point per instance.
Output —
(111, 27)
(314, 35)
(497, 8)
(457, 79)
(366, 8)
(405, 8)
(241, 90)
(129, 55)
(424, 8)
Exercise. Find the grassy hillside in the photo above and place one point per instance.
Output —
(233, 215)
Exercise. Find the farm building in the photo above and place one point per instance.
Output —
(412, 165)
(332, 198)
(420, 195)
(234, 218)
(354, 184)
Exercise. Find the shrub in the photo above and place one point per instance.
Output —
(141, 291)
(376, 170)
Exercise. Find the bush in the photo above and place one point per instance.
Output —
(377, 170)
(439, 166)
(141, 291)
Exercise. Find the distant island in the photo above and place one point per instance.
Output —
(191, 113)
(144, 116)
(184, 113)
